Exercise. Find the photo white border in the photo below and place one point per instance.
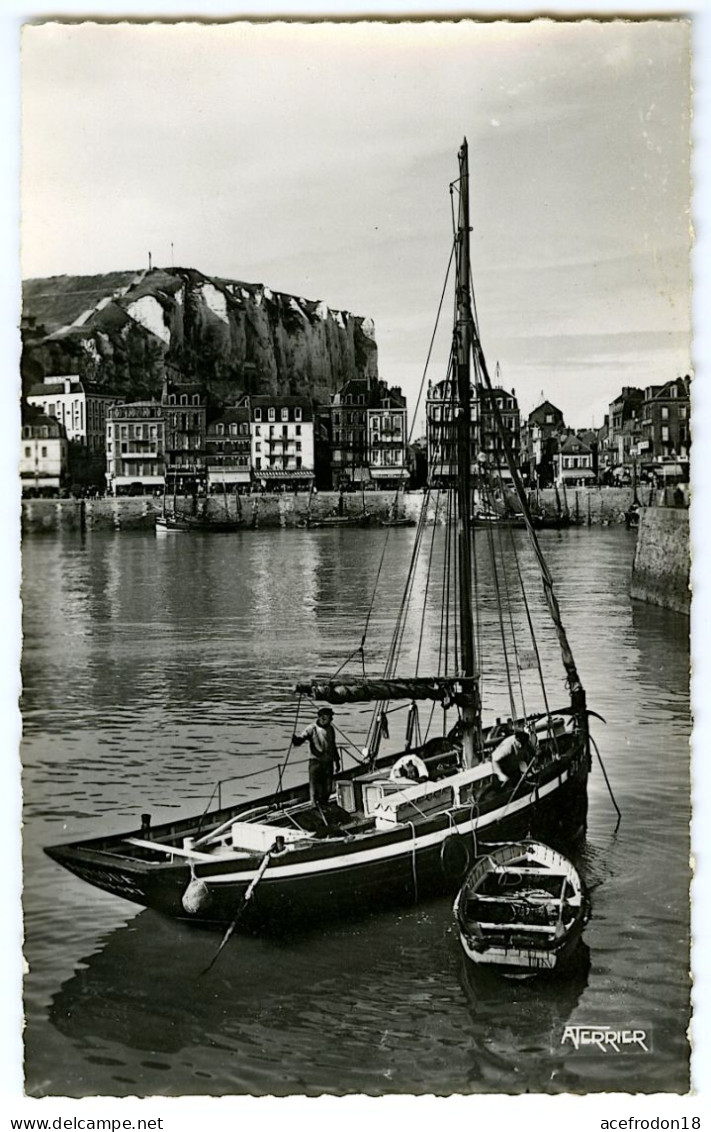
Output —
(552, 1112)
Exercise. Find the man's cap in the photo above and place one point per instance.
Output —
(325, 711)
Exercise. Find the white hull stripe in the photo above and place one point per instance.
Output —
(388, 852)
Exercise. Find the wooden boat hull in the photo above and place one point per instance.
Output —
(521, 950)
(166, 524)
(334, 875)
(338, 521)
(498, 522)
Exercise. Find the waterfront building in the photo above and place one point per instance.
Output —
(79, 407)
(349, 434)
(541, 439)
(491, 440)
(573, 463)
(441, 409)
(624, 432)
(229, 451)
(282, 441)
(368, 428)
(135, 448)
(387, 439)
(665, 439)
(184, 415)
(43, 452)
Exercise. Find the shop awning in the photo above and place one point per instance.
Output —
(390, 474)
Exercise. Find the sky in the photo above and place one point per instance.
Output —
(317, 158)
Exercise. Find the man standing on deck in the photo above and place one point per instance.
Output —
(325, 759)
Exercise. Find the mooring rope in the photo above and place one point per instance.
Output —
(607, 781)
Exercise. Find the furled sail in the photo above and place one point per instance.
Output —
(354, 690)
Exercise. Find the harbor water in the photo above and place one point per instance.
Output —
(156, 669)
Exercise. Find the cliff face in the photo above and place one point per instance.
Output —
(127, 331)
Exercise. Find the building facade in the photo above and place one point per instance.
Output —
(43, 453)
(665, 438)
(349, 434)
(573, 463)
(491, 442)
(228, 447)
(282, 441)
(624, 432)
(368, 435)
(184, 416)
(135, 448)
(441, 411)
(540, 442)
(387, 439)
(79, 407)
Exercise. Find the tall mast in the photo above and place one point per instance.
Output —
(463, 332)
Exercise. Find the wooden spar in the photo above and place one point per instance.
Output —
(463, 334)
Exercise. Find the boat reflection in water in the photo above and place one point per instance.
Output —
(403, 1016)
(529, 1016)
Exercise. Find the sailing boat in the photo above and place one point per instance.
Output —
(202, 520)
(406, 822)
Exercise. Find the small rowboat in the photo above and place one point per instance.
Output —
(521, 909)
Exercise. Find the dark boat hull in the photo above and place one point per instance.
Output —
(187, 523)
(334, 876)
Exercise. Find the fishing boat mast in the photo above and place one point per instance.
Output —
(463, 335)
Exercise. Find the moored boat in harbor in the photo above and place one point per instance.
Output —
(404, 823)
(522, 909)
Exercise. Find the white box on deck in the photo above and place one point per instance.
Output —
(261, 838)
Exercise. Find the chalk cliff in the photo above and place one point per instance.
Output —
(126, 331)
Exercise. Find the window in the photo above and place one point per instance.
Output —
(665, 412)
(271, 414)
(257, 414)
(284, 430)
(285, 414)
(665, 434)
(257, 430)
(234, 429)
(220, 430)
(297, 414)
(258, 446)
(196, 398)
(28, 450)
(44, 450)
(298, 446)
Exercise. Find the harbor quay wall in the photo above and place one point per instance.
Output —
(661, 568)
(588, 506)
